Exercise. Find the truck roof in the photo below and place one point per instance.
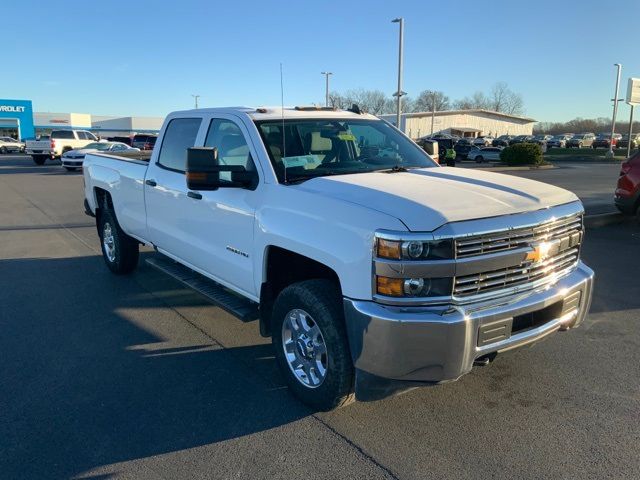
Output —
(277, 113)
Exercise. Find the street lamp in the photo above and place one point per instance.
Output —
(615, 110)
(399, 93)
(326, 90)
(196, 97)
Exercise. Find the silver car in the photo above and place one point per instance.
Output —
(485, 154)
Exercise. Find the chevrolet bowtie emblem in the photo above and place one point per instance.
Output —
(539, 253)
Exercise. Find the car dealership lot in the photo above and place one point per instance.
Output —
(140, 378)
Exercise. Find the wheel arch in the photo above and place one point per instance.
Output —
(281, 268)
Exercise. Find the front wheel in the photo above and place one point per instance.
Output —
(310, 342)
(119, 251)
(3, 150)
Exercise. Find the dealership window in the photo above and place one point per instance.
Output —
(180, 134)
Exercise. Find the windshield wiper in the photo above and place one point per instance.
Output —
(397, 168)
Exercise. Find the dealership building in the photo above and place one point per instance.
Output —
(18, 120)
(464, 123)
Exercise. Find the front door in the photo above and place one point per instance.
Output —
(220, 225)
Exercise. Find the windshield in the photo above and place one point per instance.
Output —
(578, 136)
(317, 148)
(102, 146)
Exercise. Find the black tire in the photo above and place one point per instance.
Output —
(322, 300)
(479, 159)
(70, 169)
(3, 150)
(39, 159)
(124, 256)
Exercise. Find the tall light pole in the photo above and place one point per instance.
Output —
(615, 110)
(399, 93)
(196, 97)
(326, 88)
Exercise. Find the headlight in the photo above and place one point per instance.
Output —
(414, 249)
(413, 287)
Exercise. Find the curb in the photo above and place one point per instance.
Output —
(510, 169)
(603, 219)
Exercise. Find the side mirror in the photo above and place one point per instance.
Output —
(203, 171)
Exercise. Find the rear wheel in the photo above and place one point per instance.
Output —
(120, 251)
(39, 159)
(479, 159)
(310, 342)
(3, 150)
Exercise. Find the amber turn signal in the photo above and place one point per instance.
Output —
(391, 287)
(389, 249)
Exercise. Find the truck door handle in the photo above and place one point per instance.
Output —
(194, 195)
(151, 183)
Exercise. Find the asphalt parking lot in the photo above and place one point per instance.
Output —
(136, 377)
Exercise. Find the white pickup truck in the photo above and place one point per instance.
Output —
(59, 142)
(372, 268)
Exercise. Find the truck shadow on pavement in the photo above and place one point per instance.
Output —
(96, 370)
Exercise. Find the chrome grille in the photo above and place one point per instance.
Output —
(517, 238)
(527, 273)
(565, 233)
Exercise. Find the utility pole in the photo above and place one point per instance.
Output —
(399, 93)
(196, 97)
(615, 110)
(326, 88)
(630, 130)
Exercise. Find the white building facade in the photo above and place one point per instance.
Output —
(464, 123)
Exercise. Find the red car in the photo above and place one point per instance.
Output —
(627, 196)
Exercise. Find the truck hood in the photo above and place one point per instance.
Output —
(425, 199)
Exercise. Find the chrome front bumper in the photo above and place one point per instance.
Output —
(439, 344)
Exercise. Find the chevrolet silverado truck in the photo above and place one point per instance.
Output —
(58, 143)
(372, 268)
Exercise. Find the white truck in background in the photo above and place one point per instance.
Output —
(371, 267)
(59, 142)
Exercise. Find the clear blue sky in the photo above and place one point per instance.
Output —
(147, 58)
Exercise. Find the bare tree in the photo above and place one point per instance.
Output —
(477, 101)
(503, 99)
(431, 100)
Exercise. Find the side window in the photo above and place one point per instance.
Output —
(82, 136)
(180, 134)
(232, 147)
(90, 136)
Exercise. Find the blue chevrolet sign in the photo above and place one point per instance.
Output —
(17, 114)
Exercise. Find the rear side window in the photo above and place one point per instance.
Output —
(180, 134)
(66, 134)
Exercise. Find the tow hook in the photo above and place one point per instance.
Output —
(485, 360)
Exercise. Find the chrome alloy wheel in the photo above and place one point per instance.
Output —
(108, 242)
(304, 348)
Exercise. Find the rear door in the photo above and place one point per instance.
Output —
(165, 189)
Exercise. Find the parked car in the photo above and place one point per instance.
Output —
(73, 159)
(502, 141)
(463, 147)
(144, 141)
(604, 140)
(485, 154)
(483, 141)
(627, 194)
(541, 139)
(624, 141)
(581, 140)
(364, 270)
(521, 139)
(11, 145)
(558, 141)
(59, 142)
